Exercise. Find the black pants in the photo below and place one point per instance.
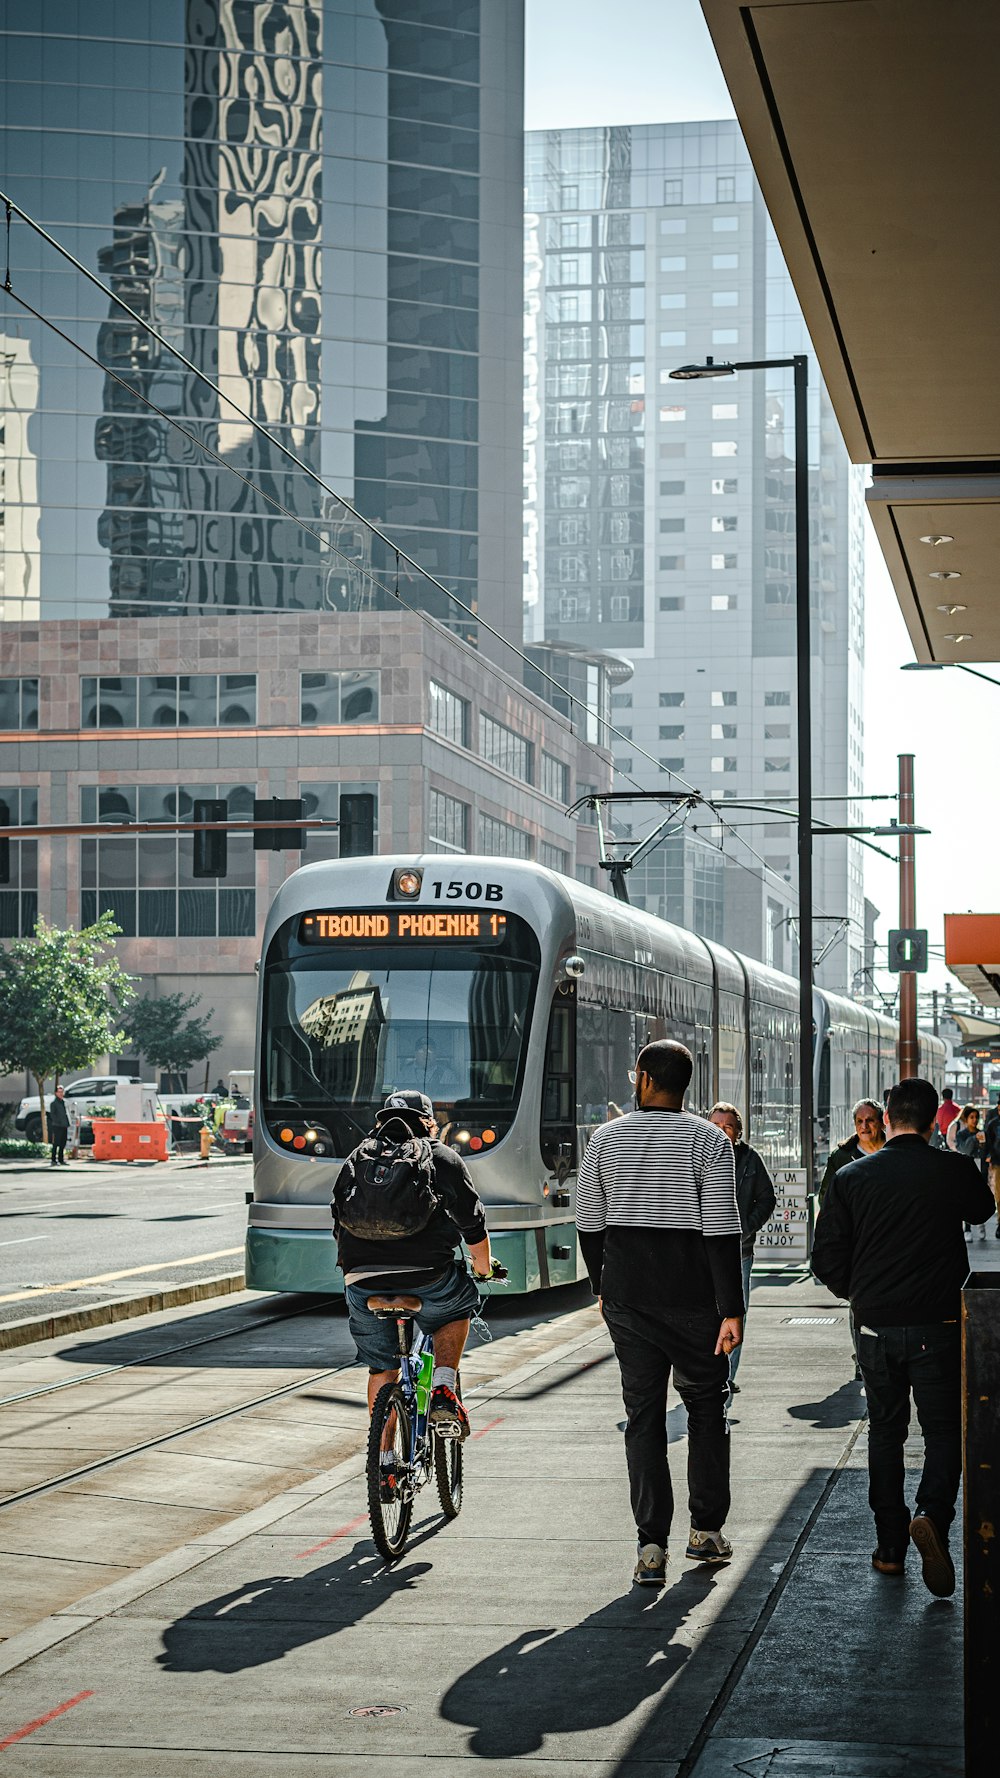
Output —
(648, 1347)
(927, 1361)
(57, 1139)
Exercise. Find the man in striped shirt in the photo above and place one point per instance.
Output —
(660, 1234)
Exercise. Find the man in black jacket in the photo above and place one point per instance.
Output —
(890, 1239)
(58, 1129)
(421, 1264)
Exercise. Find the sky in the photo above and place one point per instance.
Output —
(653, 61)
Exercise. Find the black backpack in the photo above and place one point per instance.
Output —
(390, 1193)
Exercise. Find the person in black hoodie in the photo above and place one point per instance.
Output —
(755, 1202)
(422, 1263)
(890, 1239)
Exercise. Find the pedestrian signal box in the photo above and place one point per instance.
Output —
(908, 950)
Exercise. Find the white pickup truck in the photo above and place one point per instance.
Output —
(94, 1089)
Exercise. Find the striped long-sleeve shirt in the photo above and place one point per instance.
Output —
(656, 1211)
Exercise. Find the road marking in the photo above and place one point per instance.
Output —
(164, 1265)
(483, 1430)
(344, 1531)
(22, 1240)
(40, 1721)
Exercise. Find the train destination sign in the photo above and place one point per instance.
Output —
(402, 926)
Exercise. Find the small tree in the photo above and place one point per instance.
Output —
(162, 1032)
(61, 1001)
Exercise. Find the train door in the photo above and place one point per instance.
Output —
(823, 1098)
(558, 1134)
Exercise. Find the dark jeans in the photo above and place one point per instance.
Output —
(648, 1347)
(927, 1361)
(57, 1140)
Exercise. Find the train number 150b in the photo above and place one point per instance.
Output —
(468, 891)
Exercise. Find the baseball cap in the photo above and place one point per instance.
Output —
(409, 1101)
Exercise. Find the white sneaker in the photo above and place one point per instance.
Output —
(708, 1546)
(651, 1567)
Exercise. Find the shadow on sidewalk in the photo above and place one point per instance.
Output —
(843, 1408)
(575, 1681)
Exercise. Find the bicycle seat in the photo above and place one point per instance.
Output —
(395, 1305)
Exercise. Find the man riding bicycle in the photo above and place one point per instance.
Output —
(406, 1246)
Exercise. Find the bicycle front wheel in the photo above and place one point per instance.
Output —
(448, 1474)
(390, 1505)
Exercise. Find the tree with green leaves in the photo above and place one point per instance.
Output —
(167, 1038)
(61, 1001)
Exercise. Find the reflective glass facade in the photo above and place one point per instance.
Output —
(307, 198)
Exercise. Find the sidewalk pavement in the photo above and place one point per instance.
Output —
(280, 1643)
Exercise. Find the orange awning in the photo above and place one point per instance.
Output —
(972, 953)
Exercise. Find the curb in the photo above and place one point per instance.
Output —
(49, 1327)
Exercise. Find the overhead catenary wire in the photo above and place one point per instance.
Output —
(12, 209)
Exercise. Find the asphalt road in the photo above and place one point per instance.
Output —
(63, 1231)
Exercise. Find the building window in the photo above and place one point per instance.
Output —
(723, 699)
(723, 731)
(672, 700)
(723, 601)
(170, 700)
(672, 731)
(673, 191)
(723, 447)
(725, 410)
(554, 779)
(324, 802)
(673, 299)
(554, 858)
(778, 765)
(673, 225)
(671, 604)
(621, 700)
(723, 561)
(671, 524)
(724, 521)
(448, 822)
(330, 699)
(672, 487)
(569, 197)
(673, 763)
(18, 703)
(671, 564)
(725, 225)
(623, 765)
(147, 882)
(448, 714)
(725, 189)
(724, 485)
(501, 839)
(673, 338)
(777, 731)
(777, 699)
(501, 747)
(19, 895)
(725, 262)
(725, 299)
(723, 762)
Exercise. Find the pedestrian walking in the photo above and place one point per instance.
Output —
(58, 1121)
(890, 1240)
(970, 1140)
(991, 1149)
(755, 1202)
(661, 1236)
(947, 1112)
(868, 1137)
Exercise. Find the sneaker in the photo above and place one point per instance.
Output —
(651, 1567)
(734, 1388)
(887, 1559)
(447, 1415)
(939, 1570)
(708, 1546)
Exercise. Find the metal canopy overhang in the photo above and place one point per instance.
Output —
(970, 941)
(871, 127)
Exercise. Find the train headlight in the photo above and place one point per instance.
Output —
(406, 884)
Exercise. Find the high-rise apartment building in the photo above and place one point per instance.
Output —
(313, 212)
(660, 524)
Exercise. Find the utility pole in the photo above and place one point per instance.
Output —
(909, 1048)
(803, 646)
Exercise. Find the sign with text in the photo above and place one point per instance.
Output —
(787, 1235)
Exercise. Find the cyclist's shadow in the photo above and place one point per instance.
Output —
(549, 1683)
(263, 1620)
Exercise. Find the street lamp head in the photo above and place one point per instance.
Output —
(692, 373)
(924, 666)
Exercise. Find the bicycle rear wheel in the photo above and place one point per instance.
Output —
(388, 1469)
(448, 1474)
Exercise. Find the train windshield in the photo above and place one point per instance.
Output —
(352, 1010)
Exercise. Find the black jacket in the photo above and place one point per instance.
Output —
(58, 1115)
(991, 1130)
(890, 1237)
(755, 1198)
(459, 1213)
(849, 1151)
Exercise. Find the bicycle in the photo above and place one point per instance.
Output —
(404, 1448)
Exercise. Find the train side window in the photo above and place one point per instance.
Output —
(558, 1131)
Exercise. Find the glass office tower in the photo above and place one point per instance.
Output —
(660, 516)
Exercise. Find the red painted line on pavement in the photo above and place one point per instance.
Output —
(483, 1430)
(40, 1721)
(351, 1525)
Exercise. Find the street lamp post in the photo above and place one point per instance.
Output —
(799, 365)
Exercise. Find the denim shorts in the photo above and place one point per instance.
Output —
(450, 1297)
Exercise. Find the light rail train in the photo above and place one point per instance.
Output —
(517, 1000)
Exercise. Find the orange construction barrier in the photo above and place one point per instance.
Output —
(129, 1142)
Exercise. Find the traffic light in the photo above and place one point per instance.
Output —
(357, 826)
(908, 950)
(4, 843)
(278, 839)
(210, 848)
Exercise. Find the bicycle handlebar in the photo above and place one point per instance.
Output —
(497, 1274)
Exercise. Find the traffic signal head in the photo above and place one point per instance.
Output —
(908, 950)
(210, 848)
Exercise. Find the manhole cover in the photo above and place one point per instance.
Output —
(810, 1320)
(378, 1710)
